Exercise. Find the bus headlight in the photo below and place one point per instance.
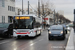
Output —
(61, 32)
(49, 32)
(15, 32)
(31, 32)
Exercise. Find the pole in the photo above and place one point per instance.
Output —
(74, 20)
(22, 7)
(38, 8)
(74, 17)
(54, 16)
(43, 14)
(57, 18)
(60, 20)
(28, 7)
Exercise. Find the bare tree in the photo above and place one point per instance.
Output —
(45, 8)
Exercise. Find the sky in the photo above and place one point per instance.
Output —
(65, 6)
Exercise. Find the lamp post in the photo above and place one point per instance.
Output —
(22, 7)
(43, 14)
(74, 20)
(57, 18)
(38, 8)
(28, 7)
(54, 16)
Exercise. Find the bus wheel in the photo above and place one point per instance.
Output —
(18, 37)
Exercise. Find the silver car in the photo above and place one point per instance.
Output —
(68, 28)
(56, 31)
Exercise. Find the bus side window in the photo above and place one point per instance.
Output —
(37, 24)
(34, 20)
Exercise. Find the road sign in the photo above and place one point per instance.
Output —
(45, 18)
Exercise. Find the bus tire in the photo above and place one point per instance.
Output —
(18, 37)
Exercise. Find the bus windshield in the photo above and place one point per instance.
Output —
(26, 23)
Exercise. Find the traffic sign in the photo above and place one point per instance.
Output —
(45, 18)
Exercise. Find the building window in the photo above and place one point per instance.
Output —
(3, 3)
(10, 19)
(3, 19)
(8, 7)
(13, 8)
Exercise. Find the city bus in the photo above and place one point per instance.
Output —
(27, 25)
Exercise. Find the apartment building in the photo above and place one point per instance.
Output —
(7, 11)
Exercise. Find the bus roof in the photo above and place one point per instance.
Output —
(26, 15)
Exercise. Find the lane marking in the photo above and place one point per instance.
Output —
(35, 42)
(31, 44)
(4, 42)
(23, 45)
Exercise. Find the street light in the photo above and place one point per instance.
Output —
(38, 8)
(54, 16)
(22, 7)
(28, 7)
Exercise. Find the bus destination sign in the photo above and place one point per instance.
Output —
(22, 17)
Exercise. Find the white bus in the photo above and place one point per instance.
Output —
(26, 25)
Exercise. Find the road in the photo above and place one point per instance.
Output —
(38, 43)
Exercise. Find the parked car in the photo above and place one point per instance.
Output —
(6, 29)
(70, 25)
(68, 28)
(65, 28)
(56, 31)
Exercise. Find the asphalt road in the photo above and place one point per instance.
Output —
(38, 43)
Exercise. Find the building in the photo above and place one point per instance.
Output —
(7, 10)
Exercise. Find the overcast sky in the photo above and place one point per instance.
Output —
(66, 6)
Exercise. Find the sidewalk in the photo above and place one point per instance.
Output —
(74, 41)
(71, 41)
